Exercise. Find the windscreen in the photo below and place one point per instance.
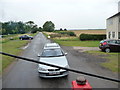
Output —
(52, 53)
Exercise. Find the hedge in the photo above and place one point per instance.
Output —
(84, 37)
(68, 33)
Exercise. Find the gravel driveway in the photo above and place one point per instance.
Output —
(82, 49)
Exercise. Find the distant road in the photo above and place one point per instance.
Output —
(24, 74)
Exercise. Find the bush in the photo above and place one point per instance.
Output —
(3, 36)
(71, 34)
(68, 33)
(83, 37)
(33, 31)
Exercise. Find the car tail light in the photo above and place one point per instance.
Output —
(104, 43)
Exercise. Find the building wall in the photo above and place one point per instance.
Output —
(112, 27)
(119, 28)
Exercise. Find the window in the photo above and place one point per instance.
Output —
(102, 41)
(113, 34)
(52, 53)
(112, 42)
(118, 35)
(118, 41)
(119, 19)
(109, 35)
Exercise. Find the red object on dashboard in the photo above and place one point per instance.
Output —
(77, 86)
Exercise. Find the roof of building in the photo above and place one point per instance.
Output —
(118, 14)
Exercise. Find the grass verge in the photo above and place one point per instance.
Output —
(45, 34)
(12, 47)
(77, 42)
(111, 62)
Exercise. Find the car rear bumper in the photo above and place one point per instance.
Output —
(48, 75)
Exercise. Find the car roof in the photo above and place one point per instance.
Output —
(51, 46)
(110, 39)
(25, 35)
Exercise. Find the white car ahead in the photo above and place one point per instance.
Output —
(56, 56)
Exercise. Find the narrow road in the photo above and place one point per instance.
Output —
(24, 74)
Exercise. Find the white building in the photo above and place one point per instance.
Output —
(113, 25)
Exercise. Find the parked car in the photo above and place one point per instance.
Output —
(110, 45)
(56, 56)
(25, 37)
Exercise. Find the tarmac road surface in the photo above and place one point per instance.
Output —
(23, 74)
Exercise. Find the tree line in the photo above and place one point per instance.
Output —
(12, 27)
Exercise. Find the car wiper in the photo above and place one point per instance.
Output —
(59, 55)
(53, 56)
(48, 56)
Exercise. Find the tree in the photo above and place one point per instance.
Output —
(12, 27)
(65, 29)
(40, 29)
(3, 31)
(61, 29)
(21, 27)
(30, 25)
(30, 22)
(34, 29)
(0, 31)
(48, 26)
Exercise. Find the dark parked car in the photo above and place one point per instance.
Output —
(25, 37)
(110, 45)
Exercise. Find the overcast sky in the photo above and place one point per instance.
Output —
(70, 14)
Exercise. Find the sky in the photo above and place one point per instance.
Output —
(69, 14)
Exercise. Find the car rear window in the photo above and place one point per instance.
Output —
(52, 53)
(112, 41)
(118, 41)
(102, 41)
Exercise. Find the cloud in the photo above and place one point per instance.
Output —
(64, 13)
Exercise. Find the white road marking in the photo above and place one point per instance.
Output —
(25, 46)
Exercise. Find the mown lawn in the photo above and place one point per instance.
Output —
(112, 62)
(77, 42)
